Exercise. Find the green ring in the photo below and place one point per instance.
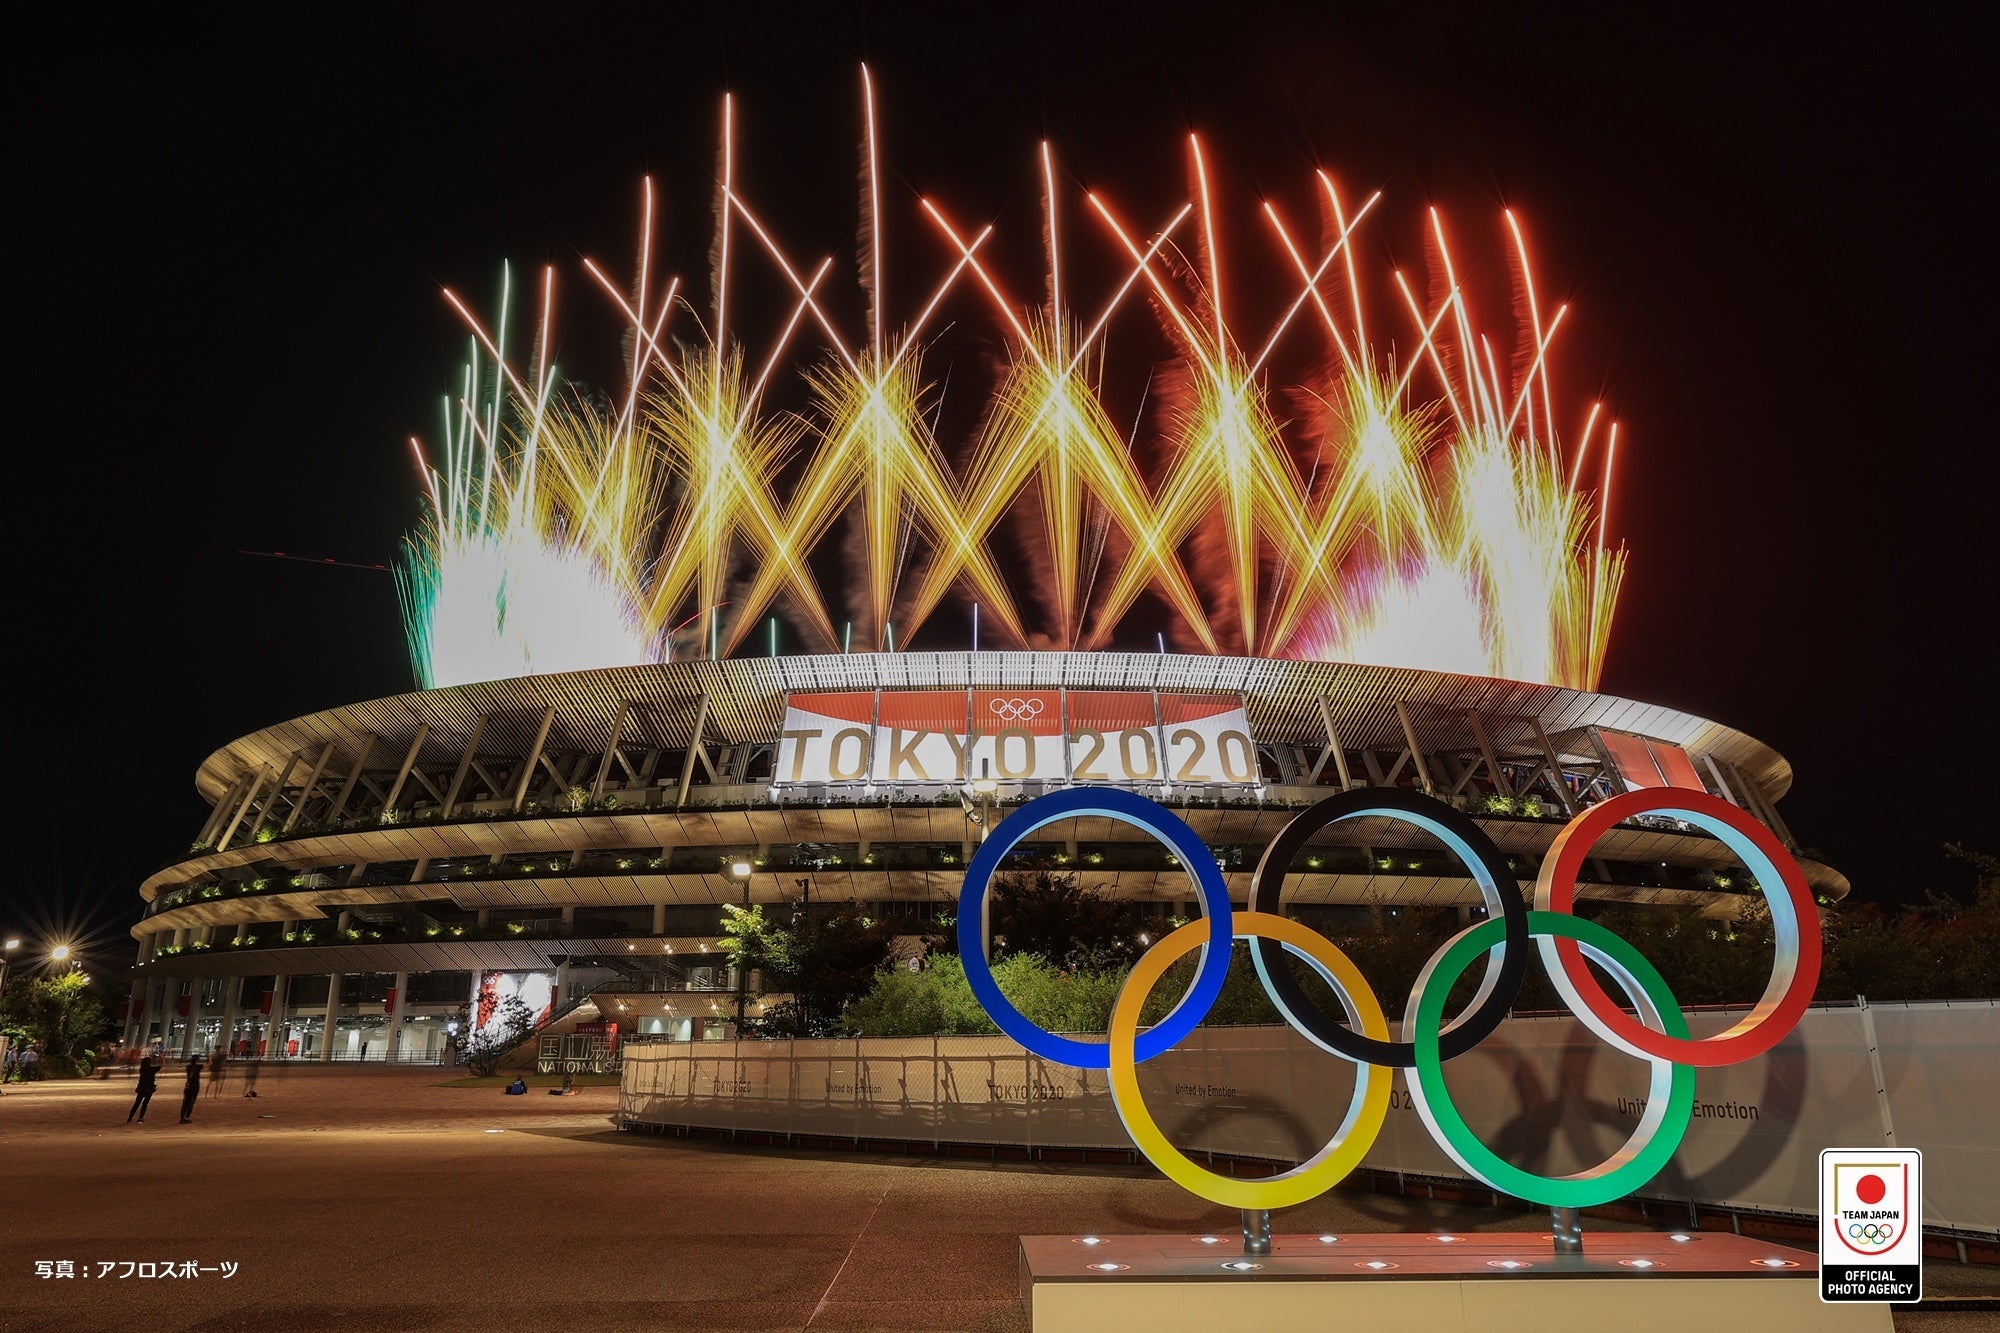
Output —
(1628, 1170)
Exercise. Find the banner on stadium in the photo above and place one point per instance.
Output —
(1107, 737)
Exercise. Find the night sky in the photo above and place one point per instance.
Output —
(231, 239)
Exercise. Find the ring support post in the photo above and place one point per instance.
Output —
(1567, 1226)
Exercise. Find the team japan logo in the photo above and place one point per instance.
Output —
(1871, 1203)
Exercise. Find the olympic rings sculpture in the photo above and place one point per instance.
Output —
(1565, 944)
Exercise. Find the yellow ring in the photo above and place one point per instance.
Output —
(1309, 1178)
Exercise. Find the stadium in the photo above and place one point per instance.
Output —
(1360, 545)
(367, 870)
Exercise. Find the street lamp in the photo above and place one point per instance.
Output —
(741, 869)
(6, 957)
(984, 787)
(59, 954)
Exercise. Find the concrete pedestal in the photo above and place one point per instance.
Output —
(1488, 1283)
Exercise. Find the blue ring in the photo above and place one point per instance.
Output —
(1128, 808)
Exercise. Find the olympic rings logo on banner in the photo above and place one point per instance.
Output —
(1565, 944)
(1871, 1233)
(1016, 710)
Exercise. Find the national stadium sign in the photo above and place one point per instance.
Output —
(1094, 737)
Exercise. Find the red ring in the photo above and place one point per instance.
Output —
(1765, 1025)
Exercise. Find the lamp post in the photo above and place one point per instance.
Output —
(984, 787)
(741, 869)
(6, 957)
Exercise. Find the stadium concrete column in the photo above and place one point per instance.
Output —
(659, 918)
(142, 1012)
(151, 1013)
(396, 1011)
(276, 1026)
(193, 1016)
(332, 1009)
(135, 1009)
(232, 996)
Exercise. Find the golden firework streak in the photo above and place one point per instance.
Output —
(1442, 528)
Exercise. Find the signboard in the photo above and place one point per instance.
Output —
(591, 1048)
(537, 990)
(1871, 1224)
(1115, 737)
(1642, 762)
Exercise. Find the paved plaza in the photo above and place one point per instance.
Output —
(378, 1199)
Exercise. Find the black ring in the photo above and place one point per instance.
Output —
(1267, 886)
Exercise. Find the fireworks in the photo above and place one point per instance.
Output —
(528, 561)
(1416, 510)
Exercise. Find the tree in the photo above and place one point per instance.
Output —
(1066, 922)
(825, 959)
(61, 1015)
(934, 1002)
(483, 1049)
(1944, 950)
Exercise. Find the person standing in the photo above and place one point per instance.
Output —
(250, 1079)
(191, 1090)
(216, 1068)
(149, 1083)
(9, 1063)
(30, 1063)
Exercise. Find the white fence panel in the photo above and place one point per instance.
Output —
(1542, 1092)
